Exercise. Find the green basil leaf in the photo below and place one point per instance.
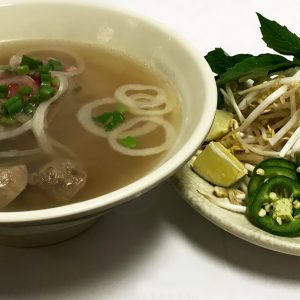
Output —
(220, 61)
(279, 37)
(256, 66)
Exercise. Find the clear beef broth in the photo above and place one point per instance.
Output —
(107, 170)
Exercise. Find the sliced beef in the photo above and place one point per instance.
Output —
(61, 178)
(13, 180)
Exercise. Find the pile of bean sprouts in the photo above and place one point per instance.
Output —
(148, 111)
(267, 118)
(266, 124)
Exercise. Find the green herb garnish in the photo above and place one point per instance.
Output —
(25, 90)
(55, 65)
(279, 38)
(110, 120)
(55, 81)
(45, 92)
(129, 142)
(3, 90)
(7, 120)
(121, 108)
(29, 108)
(77, 89)
(22, 70)
(13, 105)
(245, 66)
(44, 69)
(46, 79)
(32, 63)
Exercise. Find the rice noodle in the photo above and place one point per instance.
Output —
(169, 137)
(39, 118)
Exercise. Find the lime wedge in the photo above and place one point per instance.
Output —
(218, 166)
(220, 126)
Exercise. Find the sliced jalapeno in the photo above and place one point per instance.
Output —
(276, 206)
(262, 173)
(277, 162)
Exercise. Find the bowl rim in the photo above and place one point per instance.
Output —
(145, 183)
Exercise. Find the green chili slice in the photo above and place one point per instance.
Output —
(276, 206)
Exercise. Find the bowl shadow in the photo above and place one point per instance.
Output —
(236, 252)
(107, 252)
(114, 247)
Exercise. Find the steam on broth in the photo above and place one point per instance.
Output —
(78, 121)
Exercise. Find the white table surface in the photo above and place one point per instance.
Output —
(157, 247)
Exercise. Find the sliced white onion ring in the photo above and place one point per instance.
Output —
(169, 106)
(84, 116)
(115, 135)
(143, 100)
(131, 100)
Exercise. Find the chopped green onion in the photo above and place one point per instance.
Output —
(29, 108)
(25, 90)
(22, 70)
(129, 142)
(34, 99)
(55, 81)
(13, 105)
(44, 69)
(46, 79)
(32, 63)
(45, 92)
(3, 90)
(121, 108)
(7, 120)
(110, 120)
(55, 65)
(77, 89)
